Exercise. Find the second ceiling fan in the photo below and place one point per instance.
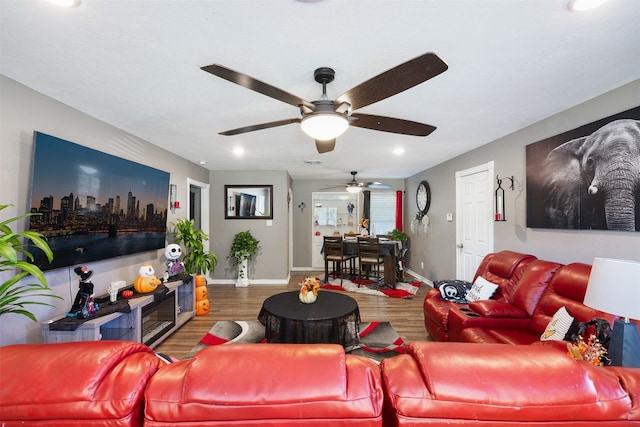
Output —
(354, 186)
(325, 119)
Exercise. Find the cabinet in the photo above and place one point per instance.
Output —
(334, 213)
(143, 324)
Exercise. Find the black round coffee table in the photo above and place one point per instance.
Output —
(333, 318)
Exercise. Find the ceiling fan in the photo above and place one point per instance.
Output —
(325, 119)
(354, 186)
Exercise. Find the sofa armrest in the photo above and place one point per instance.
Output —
(461, 318)
(493, 308)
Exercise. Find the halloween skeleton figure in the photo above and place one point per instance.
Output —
(172, 253)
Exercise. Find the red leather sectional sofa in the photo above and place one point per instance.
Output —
(530, 292)
(115, 383)
(124, 384)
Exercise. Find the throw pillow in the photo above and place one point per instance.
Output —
(558, 327)
(482, 289)
(453, 290)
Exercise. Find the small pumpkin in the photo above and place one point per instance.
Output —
(146, 281)
(201, 280)
(202, 307)
(201, 293)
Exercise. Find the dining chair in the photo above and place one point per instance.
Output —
(370, 258)
(334, 252)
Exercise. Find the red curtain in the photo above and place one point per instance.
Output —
(399, 210)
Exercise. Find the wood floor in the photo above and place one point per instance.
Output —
(231, 303)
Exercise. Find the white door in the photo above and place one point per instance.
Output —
(474, 211)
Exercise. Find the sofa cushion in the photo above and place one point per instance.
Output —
(532, 284)
(453, 290)
(446, 381)
(256, 384)
(558, 326)
(567, 288)
(504, 268)
(482, 289)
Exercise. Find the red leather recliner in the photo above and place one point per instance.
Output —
(444, 383)
(566, 289)
(97, 383)
(502, 268)
(277, 384)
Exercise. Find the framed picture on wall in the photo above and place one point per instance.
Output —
(587, 178)
(248, 202)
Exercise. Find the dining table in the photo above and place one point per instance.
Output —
(391, 251)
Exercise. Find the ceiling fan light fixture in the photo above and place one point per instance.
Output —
(324, 126)
(353, 188)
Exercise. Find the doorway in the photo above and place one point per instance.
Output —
(474, 210)
(198, 208)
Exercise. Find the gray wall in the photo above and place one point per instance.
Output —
(23, 111)
(271, 264)
(438, 250)
(302, 224)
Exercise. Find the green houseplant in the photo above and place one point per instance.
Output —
(13, 295)
(196, 260)
(398, 235)
(243, 248)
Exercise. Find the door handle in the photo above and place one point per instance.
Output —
(459, 246)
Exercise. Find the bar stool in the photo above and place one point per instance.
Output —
(334, 252)
(369, 258)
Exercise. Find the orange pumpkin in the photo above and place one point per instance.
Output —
(200, 280)
(146, 280)
(202, 307)
(201, 293)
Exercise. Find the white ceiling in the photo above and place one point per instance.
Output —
(135, 64)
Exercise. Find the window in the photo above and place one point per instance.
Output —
(382, 209)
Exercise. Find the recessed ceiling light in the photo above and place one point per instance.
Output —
(580, 5)
(238, 151)
(65, 3)
(398, 151)
(202, 162)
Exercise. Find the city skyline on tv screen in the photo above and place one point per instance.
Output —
(91, 205)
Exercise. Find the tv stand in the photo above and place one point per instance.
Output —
(130, 326)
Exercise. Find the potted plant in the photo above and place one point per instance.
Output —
(14, 296)
(243, 248)
(398, 235)
(196, 260)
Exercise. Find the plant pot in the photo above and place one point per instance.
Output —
(243, 280)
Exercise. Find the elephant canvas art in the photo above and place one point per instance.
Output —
(588, 178)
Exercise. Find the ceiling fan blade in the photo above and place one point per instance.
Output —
(389, 124)
(325, 146)
(251, 128)
(255, 85)
(394, 81)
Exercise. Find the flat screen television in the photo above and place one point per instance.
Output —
(92, 205)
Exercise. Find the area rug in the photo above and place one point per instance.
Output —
(406, 290)
(378, 340)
